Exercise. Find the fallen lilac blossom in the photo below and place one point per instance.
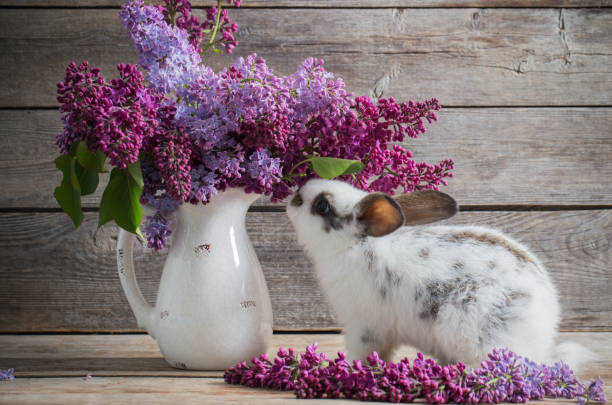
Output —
(503, 377)
(7, 375)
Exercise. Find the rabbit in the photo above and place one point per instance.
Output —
(454, 292)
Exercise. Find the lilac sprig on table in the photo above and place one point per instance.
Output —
(7, 375)
(503, 377)
(179, 132)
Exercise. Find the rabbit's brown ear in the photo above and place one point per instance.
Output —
(379, 214)
(424, 207)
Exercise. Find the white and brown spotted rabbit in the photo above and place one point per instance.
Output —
(454, 292)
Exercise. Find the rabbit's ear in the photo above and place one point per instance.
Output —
(379, 214)
(423, 207)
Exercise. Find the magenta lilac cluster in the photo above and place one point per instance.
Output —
(197, 132)
(503, 377)
(114, 117)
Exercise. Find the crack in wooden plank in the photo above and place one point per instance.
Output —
(566, 53)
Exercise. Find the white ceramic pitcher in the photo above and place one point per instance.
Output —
(213, 309)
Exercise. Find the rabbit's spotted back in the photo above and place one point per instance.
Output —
(452, 291)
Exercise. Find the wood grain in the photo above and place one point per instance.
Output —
(334, 3)
(159, 390)
(143, 390)
(464, 57)
(503, 156)
(138, 355)
(55, 278)
(132, 381)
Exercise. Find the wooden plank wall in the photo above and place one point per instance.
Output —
(527, 93)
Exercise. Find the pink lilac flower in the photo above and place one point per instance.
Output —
(172, 156)
(114, 117)
(503, 377)
(226, 29)
(178, 12)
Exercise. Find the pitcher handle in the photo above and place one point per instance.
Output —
(125, 264)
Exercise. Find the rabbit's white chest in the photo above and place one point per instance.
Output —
(347, 285)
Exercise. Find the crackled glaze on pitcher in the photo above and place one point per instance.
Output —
(213, 309)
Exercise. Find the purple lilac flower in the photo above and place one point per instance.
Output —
(593, 393)
(318, 92)
(537, 380)
(561, 381)
(166, 54)
(203, 183)
(503, 377)
(162, 204)
(156, 230)
(264, 169)
(499, 379)
(197, 132)
(7, 375)
(246, 107)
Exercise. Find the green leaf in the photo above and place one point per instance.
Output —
(139, 234)
(104, 215)
(68, 194)
(136, 174)
(215, 50)
(328, 168)
(121, 199)
(88, 180)
(93, 161)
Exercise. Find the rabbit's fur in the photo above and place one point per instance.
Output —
(454, 292)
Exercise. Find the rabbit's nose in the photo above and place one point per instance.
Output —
(297, 201)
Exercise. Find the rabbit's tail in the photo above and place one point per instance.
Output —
(573, 354)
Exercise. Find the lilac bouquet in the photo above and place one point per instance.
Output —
(177, 132)
(503, 377)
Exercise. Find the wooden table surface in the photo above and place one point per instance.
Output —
(128, 368)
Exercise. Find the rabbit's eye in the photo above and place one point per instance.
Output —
(322, 207)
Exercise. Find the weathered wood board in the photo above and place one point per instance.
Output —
(543, 65)
(334, 3)
(119, 377)
(138, 354)
(510, 156)
(56, 279)
(158, 390)
(467, 57)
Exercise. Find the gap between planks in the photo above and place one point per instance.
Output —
(48, 267)
(281, 208)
